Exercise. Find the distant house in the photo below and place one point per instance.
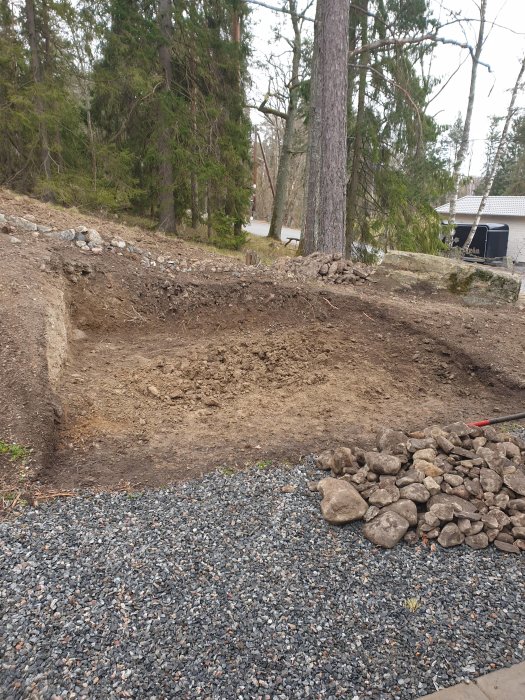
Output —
(498, 210)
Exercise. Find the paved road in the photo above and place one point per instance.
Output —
(261, 228)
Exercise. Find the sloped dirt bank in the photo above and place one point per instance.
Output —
(33, 349)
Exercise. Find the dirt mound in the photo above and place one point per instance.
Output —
(114, 371)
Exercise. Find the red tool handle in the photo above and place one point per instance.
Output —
(492, 421)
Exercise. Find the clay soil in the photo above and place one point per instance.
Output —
(165, 376)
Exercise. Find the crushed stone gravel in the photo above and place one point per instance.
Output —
(229, 588)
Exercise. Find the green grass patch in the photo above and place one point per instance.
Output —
(14, 451)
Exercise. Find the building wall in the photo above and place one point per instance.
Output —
(516, 224)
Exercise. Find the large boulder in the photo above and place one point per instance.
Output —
(341, 501)
(477, 284)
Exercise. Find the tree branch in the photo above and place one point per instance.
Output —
(268, 110)
(403, 41)
(280, 9)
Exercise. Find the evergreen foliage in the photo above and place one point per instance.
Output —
(100, 101)
(398, 173)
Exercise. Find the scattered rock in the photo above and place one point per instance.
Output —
(457, 484)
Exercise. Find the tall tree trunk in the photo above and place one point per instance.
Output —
(352, 193)
(497, 156)
(193, 176)
(37, 79)
(310, 233)
(333, 81)
(166, 201)
(236, 38)
(281, 184)
(465, 136)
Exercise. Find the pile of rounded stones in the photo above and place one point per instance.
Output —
(456, 484)
(333, 269)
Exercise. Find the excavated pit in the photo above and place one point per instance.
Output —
(168, 380)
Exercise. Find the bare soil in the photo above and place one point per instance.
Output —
(114, 373)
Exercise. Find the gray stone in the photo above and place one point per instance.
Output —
(507, 547)
(384, 496)
(407, 509)
(431, 519)
(475, 528)
(371, 513)
(344, 461)
(518, 533)
(459, 504)
(427, 468)
(14, 239)
(505, 537)
(325, 461)
(341, 501)
(94, 237)
(490, 521)
(515, 481)
(428, 454)
(410, 477)
(473, 486)
(502, 518)
(415, 492)
(67, 235)
(465, 525)
(518, 520)
(445, 512)
(392, 441)
(453, 479)
(517, 504)
(22, 223)
(386, 530)
(478, 541)
(431, 485)
(415, 444)
(460, 429)
(383, 463)
(490, 481)
(451, 536)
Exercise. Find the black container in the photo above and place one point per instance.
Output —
(490, 240)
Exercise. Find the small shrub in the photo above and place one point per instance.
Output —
(412, 604)
(224, 234)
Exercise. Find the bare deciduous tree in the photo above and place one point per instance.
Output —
(497, 156)
(465, 136)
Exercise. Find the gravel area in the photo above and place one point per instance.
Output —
(229, 588)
